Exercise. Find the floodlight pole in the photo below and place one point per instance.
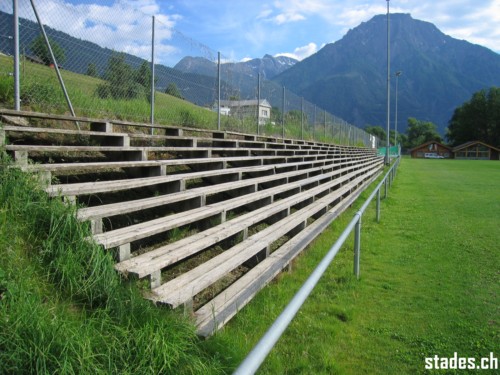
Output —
(387, 156)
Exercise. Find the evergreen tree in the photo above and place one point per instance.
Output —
(173, 90)
(39, 48)
(121, 80)
(92, 70)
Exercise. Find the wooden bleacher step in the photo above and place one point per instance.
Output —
(217, 312)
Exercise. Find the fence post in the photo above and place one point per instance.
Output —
(17, 92)
(385, 186)
(357, 244)
(258, 103)
(314, 124)
(153, 74)
(283, 115)
(324, 123)
(218, 90)
(302, 118)
(378, 205)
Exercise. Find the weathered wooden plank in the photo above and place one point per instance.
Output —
(224, 306)
(145, 203)
(166, 255)
(184, 287)
(40, 130)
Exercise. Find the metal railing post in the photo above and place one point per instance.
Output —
(378, 206)
(357, 244)
(385, 186)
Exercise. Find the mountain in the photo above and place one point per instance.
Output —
(268, 66)
(349, 77)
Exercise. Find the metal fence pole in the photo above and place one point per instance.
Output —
(302, 118)
(218, 90)
(314, 124)
(385, 186)
(283, 114)
(258, 103)
(153, 73)
(61, 81)
(357, 244)
(378, 205)
(17, 91)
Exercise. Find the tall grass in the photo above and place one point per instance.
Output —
(63, 308)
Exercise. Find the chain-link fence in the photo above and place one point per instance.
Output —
(118, 62)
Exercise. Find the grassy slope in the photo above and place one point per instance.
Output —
(169, 110)
(81, 89)
(429, 286)
(62, 306)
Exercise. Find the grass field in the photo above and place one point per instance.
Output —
(429, 285)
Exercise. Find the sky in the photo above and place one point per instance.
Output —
(245, 29)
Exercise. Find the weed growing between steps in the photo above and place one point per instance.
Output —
(63, 308)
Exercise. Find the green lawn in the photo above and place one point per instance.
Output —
(429, 285)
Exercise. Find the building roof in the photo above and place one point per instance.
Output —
(472, 143)
(428, 143)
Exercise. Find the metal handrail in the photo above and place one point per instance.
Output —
(260, 351)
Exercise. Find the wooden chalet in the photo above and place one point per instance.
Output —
(434, 148)
(476, 150)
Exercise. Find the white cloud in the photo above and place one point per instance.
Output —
(300, 53)
(283, 12)
(288, 17)
(123, 26)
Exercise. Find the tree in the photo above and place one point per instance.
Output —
(419, 132)
(92, 70)
(173, 90)
(477, 119)
(121, 80)
(39, 48)
(377, 131)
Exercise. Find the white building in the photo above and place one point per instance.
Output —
(247, 108)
